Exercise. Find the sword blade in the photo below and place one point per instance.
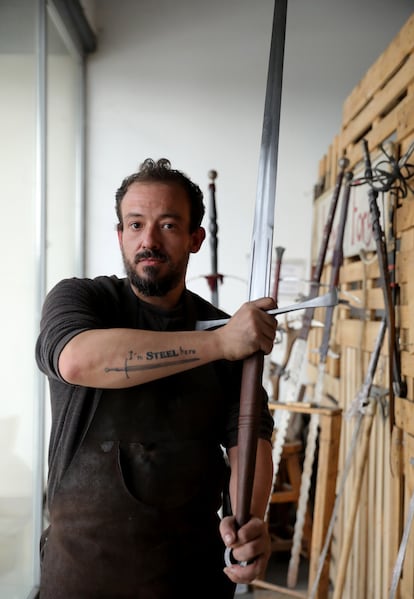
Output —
(260, 264)
(262, 236)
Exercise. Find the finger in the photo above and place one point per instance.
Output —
(265, 303)
(253, 529)
(245, 574)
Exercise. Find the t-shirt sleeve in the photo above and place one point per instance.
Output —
(70, 308)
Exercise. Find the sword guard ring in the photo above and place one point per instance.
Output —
(229, 560)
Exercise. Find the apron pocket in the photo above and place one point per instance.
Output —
(165, 476)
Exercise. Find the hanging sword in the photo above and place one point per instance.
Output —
(278, 267)
(213, 278)
(298, 353)
(398, 386)
(260, 263)
(360, 407)
(337, 259)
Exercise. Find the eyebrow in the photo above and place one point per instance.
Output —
(174, 215)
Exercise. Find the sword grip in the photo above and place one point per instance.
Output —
(249, 418)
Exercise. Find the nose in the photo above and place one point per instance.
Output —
(150, 238)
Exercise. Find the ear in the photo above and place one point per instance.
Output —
(197, 239)
(119, 233)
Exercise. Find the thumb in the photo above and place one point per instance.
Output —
(228, 530)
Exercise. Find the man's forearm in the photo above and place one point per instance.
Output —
(262, 479)
(118, 358)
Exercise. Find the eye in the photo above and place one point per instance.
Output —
(168, 225)
(135, 226)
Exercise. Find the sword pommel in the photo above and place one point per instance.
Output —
(212, 175)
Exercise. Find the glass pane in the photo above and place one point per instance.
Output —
(18, 296)
(62, 111)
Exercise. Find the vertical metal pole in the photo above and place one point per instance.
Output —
(80, 231)
(40, 241)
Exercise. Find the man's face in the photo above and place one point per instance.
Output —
(156, 241)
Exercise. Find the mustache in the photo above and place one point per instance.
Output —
(145, 254)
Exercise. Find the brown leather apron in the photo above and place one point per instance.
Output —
(134, 516)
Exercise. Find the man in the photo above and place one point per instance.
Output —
(142, 405)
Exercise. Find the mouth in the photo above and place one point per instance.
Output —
(147, 263)
(150, 258)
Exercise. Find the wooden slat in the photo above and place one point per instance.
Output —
(404, 414)
(380, 71)
(331, 384)
(406, 239)
(380, 103)
(407, 583)
(405, 216)
(329, 439)
(405, 125)
(381, 130)
(359, 271)
(350, 334)
(407, 364)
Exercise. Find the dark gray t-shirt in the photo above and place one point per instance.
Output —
(76, 305)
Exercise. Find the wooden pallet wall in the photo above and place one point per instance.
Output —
(379, 109)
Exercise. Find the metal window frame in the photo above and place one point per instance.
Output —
(69, 19)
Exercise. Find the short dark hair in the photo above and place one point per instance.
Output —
(161, 172)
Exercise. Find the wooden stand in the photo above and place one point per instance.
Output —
(329, 437)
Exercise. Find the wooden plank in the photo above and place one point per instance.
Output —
(406, 292)
(274, 588)
(407, 364)
(407, 583)
(359, 271)
(405, 320)
(404, 415)
(329, 439)
(350, 334)
(379, 133)
(395, 514)
(382, 103)
(388, 507)
(306, 408)
(383, 128)
(405, 126)
(370, 548)
(380, 71)
(334, 162)
(331, 384)
(368, 299)
(405, 216)
(406, 239)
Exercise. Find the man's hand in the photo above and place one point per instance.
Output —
(250, 330)
(250, 543)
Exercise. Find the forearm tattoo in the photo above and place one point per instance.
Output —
(135, 361)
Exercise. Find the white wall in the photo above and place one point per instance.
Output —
(185, 80)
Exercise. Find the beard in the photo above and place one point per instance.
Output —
(153, 284)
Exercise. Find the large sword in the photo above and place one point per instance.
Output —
(337, 259)
(298, 353)
(214, 277)
(260, 263)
